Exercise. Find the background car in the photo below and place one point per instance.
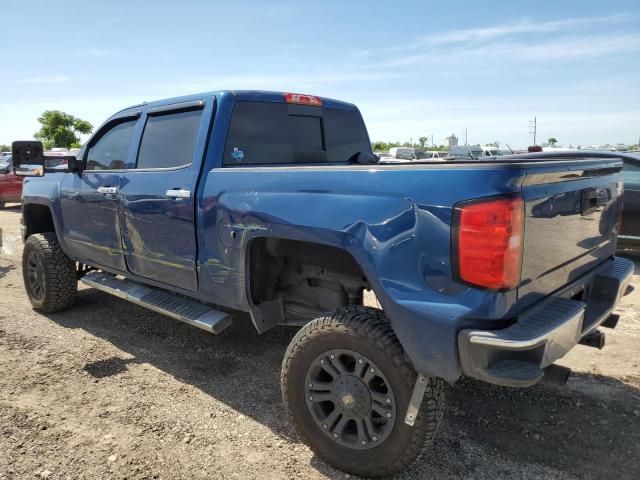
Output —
(54, 162)
(10, 184)
(629, 238)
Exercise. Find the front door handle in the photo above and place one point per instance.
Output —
(178, 193)
(108, 190)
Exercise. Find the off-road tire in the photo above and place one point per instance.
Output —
(366, 331)
(2, 204)
(59, 276)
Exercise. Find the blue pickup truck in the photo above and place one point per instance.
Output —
(206, 206)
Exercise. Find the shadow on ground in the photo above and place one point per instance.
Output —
(6, 269)
(546, 425)
(13, 207)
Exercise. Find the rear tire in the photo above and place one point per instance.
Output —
(50, 277)
(352, 418)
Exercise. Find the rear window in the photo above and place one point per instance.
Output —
(263, 133)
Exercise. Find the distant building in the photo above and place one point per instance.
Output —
(452, 141)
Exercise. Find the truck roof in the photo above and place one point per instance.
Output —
(248, 95)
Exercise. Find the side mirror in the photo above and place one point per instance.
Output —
(73, 163)
(28, 158)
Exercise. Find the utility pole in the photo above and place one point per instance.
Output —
(533, 128)
(466, 137)
(432, 141)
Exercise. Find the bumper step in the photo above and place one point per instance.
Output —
(170, 304)
(516, 373)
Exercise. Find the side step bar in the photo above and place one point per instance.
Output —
(175, 306)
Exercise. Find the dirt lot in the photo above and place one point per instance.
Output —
(111, 390)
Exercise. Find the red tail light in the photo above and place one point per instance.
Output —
(488, 236)
(301, 99)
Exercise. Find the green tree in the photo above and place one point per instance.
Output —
(60, 129)
(380, 146)
(5, 148)
(423, 141)
(552, 142)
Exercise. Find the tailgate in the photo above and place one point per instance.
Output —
(571, 215)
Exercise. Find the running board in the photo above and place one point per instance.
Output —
(175, 306)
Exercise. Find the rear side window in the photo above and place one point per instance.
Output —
(263, 133)
(110, 151)
(631, 172)
(169, 140)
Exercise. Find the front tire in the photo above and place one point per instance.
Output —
(347, 385)
(50, 277)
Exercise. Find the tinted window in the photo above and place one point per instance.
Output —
(345, 134)
(631, 172)
(630, 166)
(110, 151)
(277, 133)
(169, 140)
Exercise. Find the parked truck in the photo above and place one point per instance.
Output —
(207, 206)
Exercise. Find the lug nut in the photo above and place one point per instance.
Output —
(363, 443)
(322, 362)
(388, 399)
(388, 414)
(324, 425)
(311, 397)
(375, 439)
(335, 435)
(332, 356)
(310, 385)
(360, 361)
(373, 370)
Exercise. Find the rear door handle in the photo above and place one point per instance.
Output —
(178, 193)
(108, 190)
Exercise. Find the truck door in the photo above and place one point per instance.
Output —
(89, 200)
(157, 211)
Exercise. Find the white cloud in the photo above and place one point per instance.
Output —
(477, 35)
(96, 52)
(47, 79)
(565, 48)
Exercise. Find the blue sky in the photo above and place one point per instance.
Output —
(413, 67)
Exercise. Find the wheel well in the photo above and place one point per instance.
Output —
(37, 219)
(292, 282)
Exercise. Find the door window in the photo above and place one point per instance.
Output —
(169, 140)
(110, 151)
(631, 172)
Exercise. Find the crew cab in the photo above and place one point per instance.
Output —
(207, 206)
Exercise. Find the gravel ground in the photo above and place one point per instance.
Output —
(111, 390)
